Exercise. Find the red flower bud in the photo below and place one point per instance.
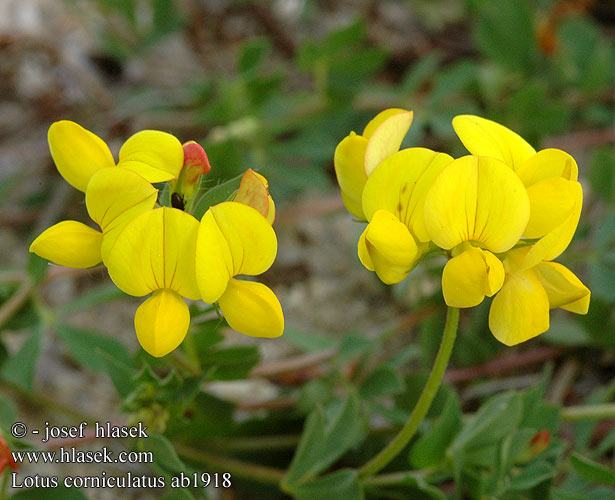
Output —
(5, 456)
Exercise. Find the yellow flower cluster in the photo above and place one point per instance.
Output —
(162, 250)
(502, 214)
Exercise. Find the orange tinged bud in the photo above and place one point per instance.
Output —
(5, 456)
(196, 164)
(540, 442)
(254, 192)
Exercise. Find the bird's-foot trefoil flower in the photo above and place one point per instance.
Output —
(165, 251)
(356, 156)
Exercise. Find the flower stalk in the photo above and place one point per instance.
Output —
(434, 381)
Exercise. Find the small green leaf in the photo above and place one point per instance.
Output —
(532, 475)
(567, 332)
(341, 484)
(83, 345)
(384, 380)
(92, 297)
(208, 197)
(308, 342)
(430, 449)
(231, 363)
(37, 267)
(309, 449)
(164, 453)
(121, 373)
(8, 413)
(592, 471)
(20, 368)
(253, 53)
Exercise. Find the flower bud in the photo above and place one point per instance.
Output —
(5, 456)
(196, 164)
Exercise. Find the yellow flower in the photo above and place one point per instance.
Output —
(476, 207)
(520, 311)
(79, 154)
(154, 253)
(356, 156)
(114, 197)
(550, 177)
(393, 201)
(234, 239)
(113, 194)
(167, 253)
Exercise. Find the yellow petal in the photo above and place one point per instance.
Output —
(155, 155)
(114, 197)
(386, 139)
(156, 250)
(69, 243)
(377, 120)
(252, 309)
(552, 200)
(563, 288)
(77, 152)
(556, 241)
(477, 198)
(253, 191)
(548, 163)
(388, 248)
(400, 184)
(487, 138)
(232, 239)
(470, 276)
(350, 171)
(162, 322)
(520, 311)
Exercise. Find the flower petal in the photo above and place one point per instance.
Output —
(477, 198)
(232, 239)
(470, 276)
(114, 197)
(386, 139)
(377, 120)
(77, 152)
(69, 243)
(387, 247)
(487, 138)
(162, 322)
(546, 164)
(254, 192)
(520, 310)
(153, 154)
(563, 288)
(556, 241)
(349, 165)
(400, 184)
(156, 250)
(552, 200)
(252, 309)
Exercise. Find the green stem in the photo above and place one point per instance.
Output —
(258, 473)
(396, 477)
(590, 412)
(400, 441)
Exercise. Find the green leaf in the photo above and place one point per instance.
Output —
(121, 373)
(252, 54)
(425, 68)
(207, 197)
(37, 267)
(592, 471)
(164, 453)
(341, 484)
(384, 380)
(498, 417)
(567, 332)
(325, 439)
(531, 476)
(59, 493)
(430, 449)
(20, 368)
(8, 413)
(84, 344)
(92, 297)
(602, 174)
(512, 48)
(308, 342)
(231, 363)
